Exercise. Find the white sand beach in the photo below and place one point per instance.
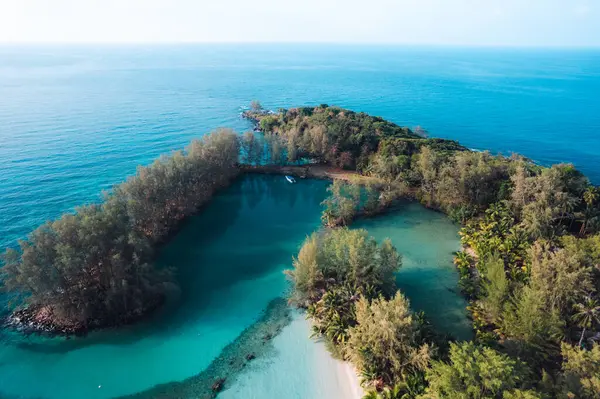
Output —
(300, 369)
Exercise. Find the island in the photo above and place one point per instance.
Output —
(530, 263)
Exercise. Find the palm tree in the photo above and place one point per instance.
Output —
(372, 395)
(590, 196)
(409, 389)
(590, 213)
(394, 392)
(587, 313)
(588, 216)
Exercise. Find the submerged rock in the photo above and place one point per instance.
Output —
(218, 385)
(249, 345)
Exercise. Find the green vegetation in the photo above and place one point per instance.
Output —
(93, 268)
(477, 372)
(343, 258)
(384, 344)
(347, 201)
(339, 136)
(580, 375)
(347, 283)
(531, 249)
(529, 264)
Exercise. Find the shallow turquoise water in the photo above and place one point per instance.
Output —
(230, 260)
(427, 241)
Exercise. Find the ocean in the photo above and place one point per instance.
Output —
(75, 120)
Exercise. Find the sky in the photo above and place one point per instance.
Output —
(562, 23)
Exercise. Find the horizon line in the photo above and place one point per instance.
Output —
(292, 43)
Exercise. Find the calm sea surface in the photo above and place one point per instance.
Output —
(76, 120)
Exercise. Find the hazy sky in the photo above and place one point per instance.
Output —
(459, 22)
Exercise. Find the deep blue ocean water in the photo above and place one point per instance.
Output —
(75, 120)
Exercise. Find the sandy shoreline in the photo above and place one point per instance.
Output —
(313, 171)
(342, 375)
(301, 368)
(355, 390)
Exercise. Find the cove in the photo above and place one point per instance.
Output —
(229, 261)
(427, 241)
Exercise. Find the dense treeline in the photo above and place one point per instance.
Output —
(94, 267)
(334, 135)
(531, 259)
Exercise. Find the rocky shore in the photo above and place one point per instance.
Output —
(42, 320)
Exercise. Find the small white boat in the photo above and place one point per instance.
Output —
(290, 179)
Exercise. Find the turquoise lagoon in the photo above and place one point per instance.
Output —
(427, 241)
(229, 261)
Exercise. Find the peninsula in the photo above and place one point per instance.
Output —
(529, 265)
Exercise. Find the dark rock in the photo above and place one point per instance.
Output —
(218, 385)
(250, 356)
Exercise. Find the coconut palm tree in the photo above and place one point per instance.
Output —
(590, 196)
(587, 314)
(411, 388)
(589, 215)
(372, 395)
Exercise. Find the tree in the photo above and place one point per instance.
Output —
(275, 148)
(382, 344)
(532, 328)
(547, 200)
(411, 388)
(334, 314)
(558, 277)
(251, 148)
(473, 372)
(427, 164)
(590, 213)
(581, 372)
(307, 274)
(93, 267)
(342, 203)
(343, 257)
(495, 286)
(256, 106)
(586, 315)
(521, 394)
